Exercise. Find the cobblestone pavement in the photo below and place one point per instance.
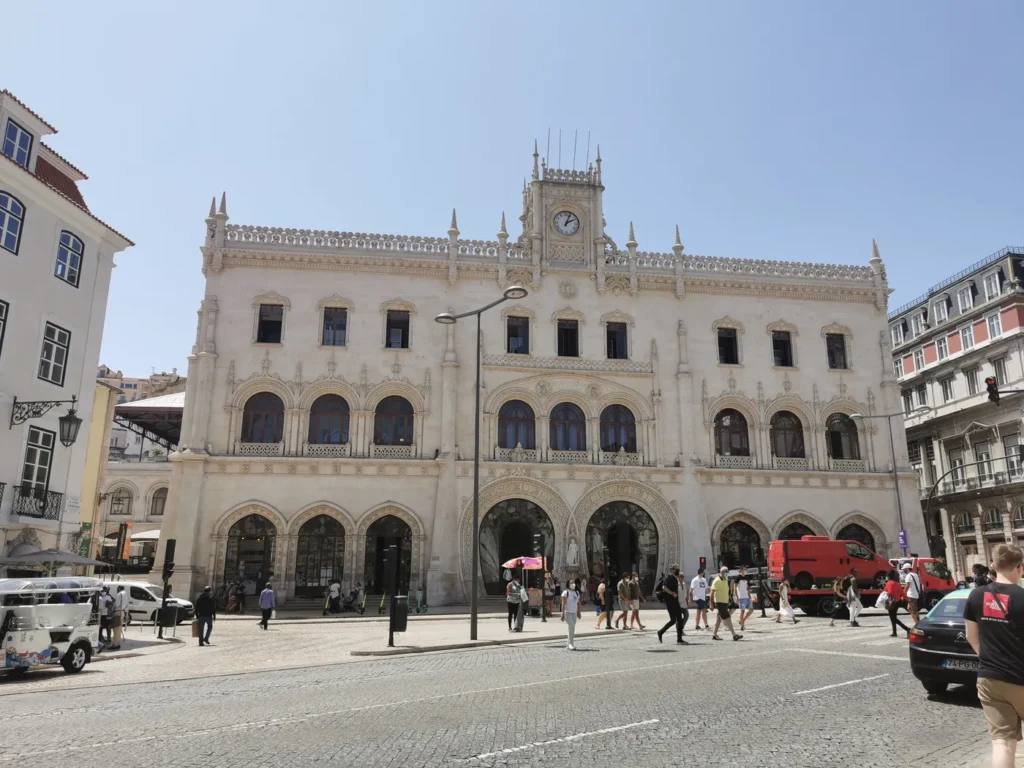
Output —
(786, 695)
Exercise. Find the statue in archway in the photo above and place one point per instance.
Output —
(572, 555)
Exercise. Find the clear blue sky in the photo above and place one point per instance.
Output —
(785, 130)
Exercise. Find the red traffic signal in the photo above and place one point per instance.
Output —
(992, 386)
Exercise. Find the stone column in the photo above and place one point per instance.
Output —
(443, 583)
(979, 533)
(593, 438)
(542, 437)
(1008, 521)
(182, 521)
(684, 391)
(949, 536)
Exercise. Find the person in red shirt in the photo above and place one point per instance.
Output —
(894, 589)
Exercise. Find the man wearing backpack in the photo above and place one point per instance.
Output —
(912, 586)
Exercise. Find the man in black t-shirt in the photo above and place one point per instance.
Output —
(675, 615)
(995, 629)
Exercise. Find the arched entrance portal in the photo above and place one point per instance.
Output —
(854, 532)
(621, 538)
(382, 534)
(506, 531)
(250, 553)
(739, 545)
(319, 556)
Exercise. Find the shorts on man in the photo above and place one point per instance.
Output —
(701, 604)
(744, 603)
(1003, 704)
(723, 610)
(625, 605)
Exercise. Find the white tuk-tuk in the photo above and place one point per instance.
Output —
(48, 621)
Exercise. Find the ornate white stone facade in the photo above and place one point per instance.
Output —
(669, 308)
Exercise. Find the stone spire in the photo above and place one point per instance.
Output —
(597, 160)
(453, 230)
(502, 230)
(677, 247)
(876, 258)
(213, 207)
(536, 161)
(224, 203)
(631, 243)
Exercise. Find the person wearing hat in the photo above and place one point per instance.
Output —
(206, 612)
(912, 586)
(720, 597)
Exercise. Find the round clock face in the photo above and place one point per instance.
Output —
(567, 223)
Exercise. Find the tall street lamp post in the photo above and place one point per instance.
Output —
(445, 318)
(858, 418)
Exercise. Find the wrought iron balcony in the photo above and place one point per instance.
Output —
(36, 502)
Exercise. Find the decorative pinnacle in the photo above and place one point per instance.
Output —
(213, 206)
(536, 155)
(875, 256)
(454, 228)
(631, 243)
(224, 203)
(677, 247)
(678, 241)
(598, 154)
(502, 231)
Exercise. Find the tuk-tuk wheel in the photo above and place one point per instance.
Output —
(75, 659)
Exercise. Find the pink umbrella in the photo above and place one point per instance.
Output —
(529, 563)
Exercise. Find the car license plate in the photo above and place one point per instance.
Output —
(965, 664)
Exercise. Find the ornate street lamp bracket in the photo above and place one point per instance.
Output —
(27, 410)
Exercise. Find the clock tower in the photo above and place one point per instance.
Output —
(563, 222)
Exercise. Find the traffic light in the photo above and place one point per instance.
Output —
(538, 545)
(703, 563)
(992, 386)
(169, 559)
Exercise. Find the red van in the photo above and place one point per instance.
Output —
(812, 565)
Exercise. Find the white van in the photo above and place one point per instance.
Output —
(144, 600)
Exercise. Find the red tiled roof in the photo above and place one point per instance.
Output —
(31, 111)
(51, 177)
(54, 152)
(21, 168)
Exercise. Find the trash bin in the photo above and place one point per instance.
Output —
(168, 617)
(400, 614)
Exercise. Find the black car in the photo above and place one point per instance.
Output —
(939, 651)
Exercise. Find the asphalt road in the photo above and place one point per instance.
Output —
(786, 696)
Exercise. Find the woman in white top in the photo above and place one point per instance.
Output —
(571, 610)
(785, 609)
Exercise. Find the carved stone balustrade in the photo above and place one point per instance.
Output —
(325, 450)
(846, 465)
(792, 464)
(392, 451)
(735, 462)
(621, 458)
(569, 457)
(517, 454)
(260, 449)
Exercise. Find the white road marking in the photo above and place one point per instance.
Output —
(840, 685)
(296, 719)
(564, 739)
(847, 653)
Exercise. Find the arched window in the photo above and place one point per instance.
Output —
(993, 520)
(964, 524)
(618, 429)
(328, 421)
(158, 502)
(787, 436)
(731, 436)
(794, 532)
(568, 428)
(392, 422)
(738, 545)
(517, 425)
(121, 503)
(859, 533)
(12, 215)
(841, 437)
(69, 258)
(263, 419)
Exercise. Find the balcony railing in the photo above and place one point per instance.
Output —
(325, 450)
(620, 458)
(734, 462)
(846, 465)
(791, 464)
(517, 454)
(37, 503)
(569, 457)
(260, 449)
(392, 451)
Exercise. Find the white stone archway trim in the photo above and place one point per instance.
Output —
(223, 527)
(417, 576)
(799, 516)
